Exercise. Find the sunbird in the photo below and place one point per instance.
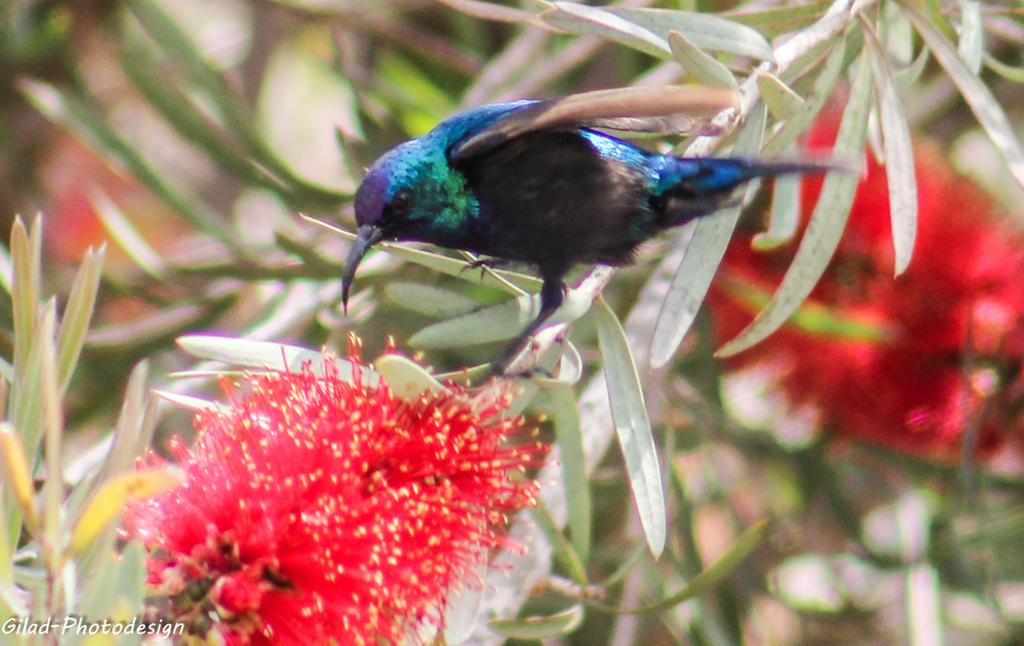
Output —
(543, 183)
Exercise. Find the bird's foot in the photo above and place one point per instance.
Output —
(488, 263)
(501, 370)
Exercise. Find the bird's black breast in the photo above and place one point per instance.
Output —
(551, 199)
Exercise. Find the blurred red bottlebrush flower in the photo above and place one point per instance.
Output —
(72, 176)
(938, 350)
(315, 508)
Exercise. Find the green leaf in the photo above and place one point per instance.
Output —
(540, 627)
(509, 281)
(781, 19)
(53, 433)
(782, 102)
(826, 225)
(899, 157)
(180, 111)
(812, 317)
(924, 606)
(25, 259)
(897, 34)
(702, 67)
(1008, 72)
(977, 95)
(704, 253)
(82, 117)
(706, 31)
(126, 236)
(462, 610)
(179, 47)
(486, 325)
(565, 418)
(264, 355)
(972, 35)
(497, 322)
(629, 412)
(434, 302)
(784, 218)
(186, 401)
(583, 19)
(815, 100)
(297, 83)
(74, 323)
(131, 577)
(909, 75)
(461, 269)
(562, 548)
(714, 574)
(406, 379)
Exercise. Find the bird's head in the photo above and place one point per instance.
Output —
(388, 204)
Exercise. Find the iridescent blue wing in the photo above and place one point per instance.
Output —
(660, 110)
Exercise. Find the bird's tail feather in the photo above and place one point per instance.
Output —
(691, 187)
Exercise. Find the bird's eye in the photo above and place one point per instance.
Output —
(401, 202)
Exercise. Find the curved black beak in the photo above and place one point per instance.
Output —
(366, 236)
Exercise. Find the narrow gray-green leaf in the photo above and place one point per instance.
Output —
(704, 254)
(445, 264)
(486, 325)
(179, 46)
(826, 225)
(264, 354)
(813, 102)
(1008, 72)
(909, 75)
(977, 95)
(127, 237)
(565, 417)
(539, 627)
(899, 158)
(24, 288)
(781, 19)
(407, 379)
(81, 116)
(563, 550)
(706, 31)
(629, 413)
(429, 300)
(897, 34)
(782, 101)
(972, 35)
(784, 218)
(460, 268)
(131, 577)
(186, 401)
(182, 114)
(716, 572)
(124, 446)
(702, 67)
(74, 324)
(924, 606)
(497, 322)
(583, 19)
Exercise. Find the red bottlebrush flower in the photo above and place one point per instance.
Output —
(316, 508)
(948, 335)
(72, 175)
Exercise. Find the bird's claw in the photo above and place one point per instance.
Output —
(486, 263)
(500, 370)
